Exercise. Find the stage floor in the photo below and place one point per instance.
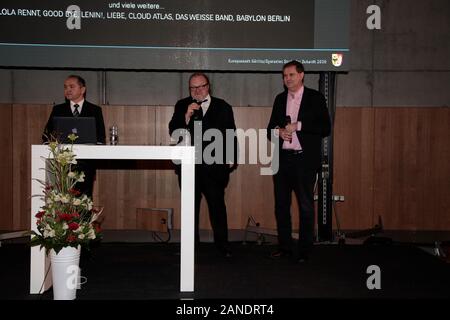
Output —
(150, 271)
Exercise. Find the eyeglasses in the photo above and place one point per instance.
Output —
(199, 87)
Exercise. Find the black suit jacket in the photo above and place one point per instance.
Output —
(315, 120)
(219, 116)
(88, 110)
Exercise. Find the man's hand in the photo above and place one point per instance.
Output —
(285, 134)
(291, 127)
(190, 111)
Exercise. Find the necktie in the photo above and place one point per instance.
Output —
(75, 112)
(198, 114)
(201, 109)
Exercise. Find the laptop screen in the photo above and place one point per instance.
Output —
(83, 127)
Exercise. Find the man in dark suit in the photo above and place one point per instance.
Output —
(77, 106)
(300, 120)
(211, 178)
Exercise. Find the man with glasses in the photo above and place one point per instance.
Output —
(211, 179)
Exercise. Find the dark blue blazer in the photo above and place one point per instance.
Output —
(315, 120)
(219, 116)
(88, 110)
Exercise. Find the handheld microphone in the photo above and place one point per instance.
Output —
(288, 121)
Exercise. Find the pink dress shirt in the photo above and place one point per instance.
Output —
(294, 99)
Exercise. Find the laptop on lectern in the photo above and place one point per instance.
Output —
(84, 127)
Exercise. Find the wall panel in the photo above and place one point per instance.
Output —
(28, 122)
(6, 167)
(411, 171)
(389, 162)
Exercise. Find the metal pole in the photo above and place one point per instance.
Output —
(327, 86)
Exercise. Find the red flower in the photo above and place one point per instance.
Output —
(40, 214)
(75, 192)
(75, 215)
(64, 216)
(73, 226)
(71, 238)
(97, 227)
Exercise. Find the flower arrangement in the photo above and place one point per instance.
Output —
(68, 218)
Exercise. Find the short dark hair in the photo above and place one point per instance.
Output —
(80, 80)
(294, 63)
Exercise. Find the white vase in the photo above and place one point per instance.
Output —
(65, 272)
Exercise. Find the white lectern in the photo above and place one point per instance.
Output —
(39, 153)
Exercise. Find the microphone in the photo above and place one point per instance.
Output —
(287, 120)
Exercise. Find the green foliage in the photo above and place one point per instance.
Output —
(68, 218)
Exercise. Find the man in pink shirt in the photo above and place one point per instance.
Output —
(300, 120)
